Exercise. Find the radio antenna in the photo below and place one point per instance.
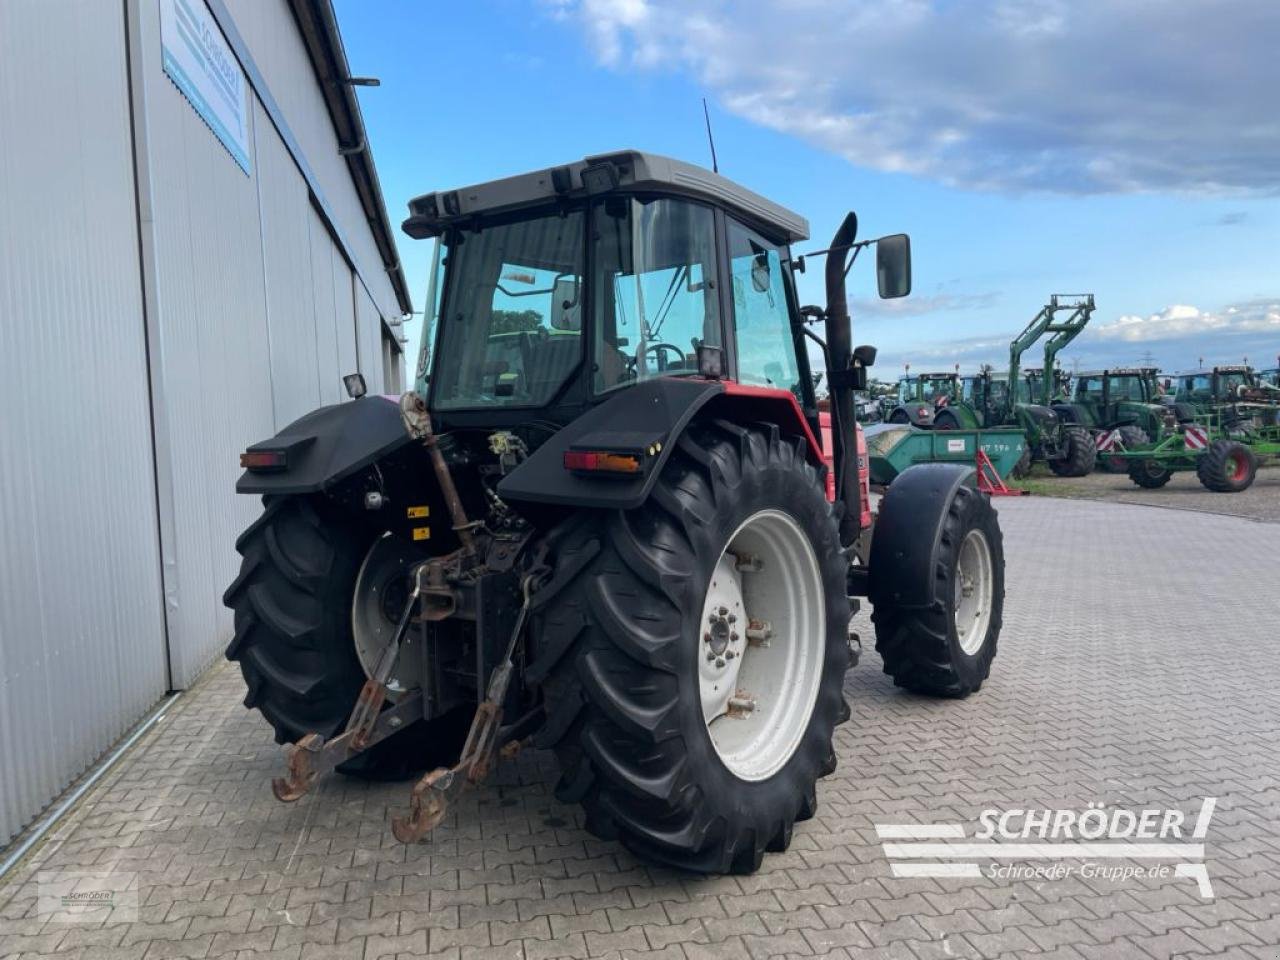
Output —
(715, 167)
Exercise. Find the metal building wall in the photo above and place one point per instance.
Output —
(81, 627)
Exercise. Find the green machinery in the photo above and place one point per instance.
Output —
(1237, 395)
(1123, 410)
(893, 448)
(921, 396)
(1225, 455)
(989, 400)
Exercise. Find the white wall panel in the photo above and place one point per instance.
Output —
(81, 639)
(271, 33)
(216, 375)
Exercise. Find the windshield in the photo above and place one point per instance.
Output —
(511, 319)
(931, 388)
(653, 289)
(1127, 387)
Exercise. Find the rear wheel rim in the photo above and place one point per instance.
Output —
(973, 591)
(1239, 468)
(381, 590)
(761, 645)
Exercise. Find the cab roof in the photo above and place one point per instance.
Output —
(1223, 368)
(1120, 372)
(626, 170)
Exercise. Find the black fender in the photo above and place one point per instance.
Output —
(904, 543)
(328, 445)
(647, 420)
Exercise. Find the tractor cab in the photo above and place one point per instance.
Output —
(552, 291)
(921, 396)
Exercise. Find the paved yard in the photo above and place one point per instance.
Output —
(1183, 492)
(1139, 668)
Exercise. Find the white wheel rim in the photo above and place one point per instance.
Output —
(759, 687)
(373, 622)
(973, 590)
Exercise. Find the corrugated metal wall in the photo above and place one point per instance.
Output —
(81, 631)
(117, 493)
(255, 313)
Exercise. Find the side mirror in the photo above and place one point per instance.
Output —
(893, 266)
(566, 312)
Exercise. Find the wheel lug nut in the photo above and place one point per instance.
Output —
(724, 611)
(720, 661)
(706, 637)
(710, 656)
(733, 637)
(733, 618)
(729, 654)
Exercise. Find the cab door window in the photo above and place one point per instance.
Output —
(762, 319)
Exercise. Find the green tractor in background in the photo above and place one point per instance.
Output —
(921, 397)
(1122, 409)
(988, 399)
(1236, 396)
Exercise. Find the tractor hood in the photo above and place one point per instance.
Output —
(324, 447)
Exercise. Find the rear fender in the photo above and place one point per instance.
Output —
(646, 419)
(329, 445)
(907, 533)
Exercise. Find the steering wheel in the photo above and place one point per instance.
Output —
(662, 348)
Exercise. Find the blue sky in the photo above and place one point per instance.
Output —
(1128, 148)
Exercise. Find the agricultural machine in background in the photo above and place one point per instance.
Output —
(922, 396)
(603, 520)
(988, 399)
(1122, 408)
(1235, 395)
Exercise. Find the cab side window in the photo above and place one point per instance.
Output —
(766, 347)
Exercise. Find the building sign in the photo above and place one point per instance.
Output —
(198, 59)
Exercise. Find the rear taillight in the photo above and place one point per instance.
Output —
(601, 461)
(261, 461)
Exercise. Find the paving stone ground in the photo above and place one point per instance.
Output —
(1138, 668)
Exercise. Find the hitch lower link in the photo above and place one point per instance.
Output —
(313, 755)
(430, 798)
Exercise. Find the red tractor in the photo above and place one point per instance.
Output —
(602, 521)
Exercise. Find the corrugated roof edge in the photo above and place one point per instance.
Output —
(319, 27)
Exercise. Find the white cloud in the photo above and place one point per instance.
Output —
(1079, 96)
(1181, 322)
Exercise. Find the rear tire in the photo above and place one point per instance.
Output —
(899, 416)
(1227, 467)
(1081, 454)
(941, 650)
(293, 639)
(619, 648)
(1149, 474)
(946, 421)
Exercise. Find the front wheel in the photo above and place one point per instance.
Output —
(937, 636)
(692, 662)
(1080, 455)
(1149, 474)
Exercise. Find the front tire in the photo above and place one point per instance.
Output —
(1149, 474)
(1080, 456)
(945, 647)
(621, 653)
